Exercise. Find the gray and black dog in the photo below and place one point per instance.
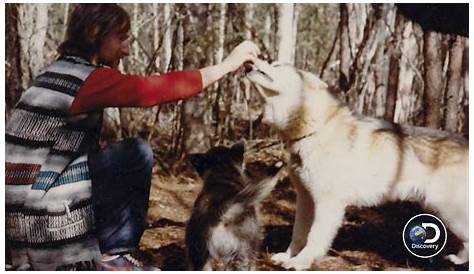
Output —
(223, 227)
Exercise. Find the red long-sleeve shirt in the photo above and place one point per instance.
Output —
(107, 87)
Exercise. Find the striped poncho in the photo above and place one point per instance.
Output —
(49, 216)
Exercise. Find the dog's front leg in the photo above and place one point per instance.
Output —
(303, 219)
(329, 216)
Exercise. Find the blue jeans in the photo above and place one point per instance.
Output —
(121, 175)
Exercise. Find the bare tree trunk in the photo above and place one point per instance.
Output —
(65, 18)
(178, 108)
(394, 68)
(344, 48)
(13, 71)
(131, 119)
(453, 88)
(166, 48)
(361, 78)
(197, 114)
(331, 51)
(268, 29)
(220, 34)
(354, 35)
(406, 96)
(285, 33)
(156, 31)
(32, 30)
(180, 45)
(382, 61)
(210, 28)
(296, 12)
(39, 39)
(153, 64)
(218, 56)
(358, 13)
(380, 82)
(179, 66)
(249, 12)
(135, 34)
(433, 79)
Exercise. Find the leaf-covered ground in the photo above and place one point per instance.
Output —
(370, 238)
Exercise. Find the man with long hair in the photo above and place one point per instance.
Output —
(68, 201)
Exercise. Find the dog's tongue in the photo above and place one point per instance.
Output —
(248, 66)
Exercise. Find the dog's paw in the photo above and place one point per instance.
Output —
(281, 257)
(299, 263)
(456, 259)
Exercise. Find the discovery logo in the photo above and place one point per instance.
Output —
(424, 235)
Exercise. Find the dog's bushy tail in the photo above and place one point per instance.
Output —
(253, 193)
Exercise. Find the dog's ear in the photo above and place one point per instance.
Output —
(199, 162)
(311, 81)
(237, 152)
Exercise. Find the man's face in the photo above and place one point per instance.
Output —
(114, 47)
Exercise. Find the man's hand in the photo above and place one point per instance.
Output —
(245, 51)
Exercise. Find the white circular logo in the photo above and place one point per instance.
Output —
(424, 235)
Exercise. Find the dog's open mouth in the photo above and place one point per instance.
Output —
(249, 66)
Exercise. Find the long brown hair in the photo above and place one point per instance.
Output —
(87, 26)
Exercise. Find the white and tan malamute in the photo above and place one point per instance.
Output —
(340, 159)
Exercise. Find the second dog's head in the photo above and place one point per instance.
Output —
(219, 159)
(283, 88)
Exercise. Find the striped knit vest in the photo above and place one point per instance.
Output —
(49, 216)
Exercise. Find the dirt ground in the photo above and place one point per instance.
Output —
(370, 238)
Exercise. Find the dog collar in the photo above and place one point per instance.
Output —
(295, 140)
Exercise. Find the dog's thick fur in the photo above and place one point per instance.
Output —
(340, 159)
(223, 227)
